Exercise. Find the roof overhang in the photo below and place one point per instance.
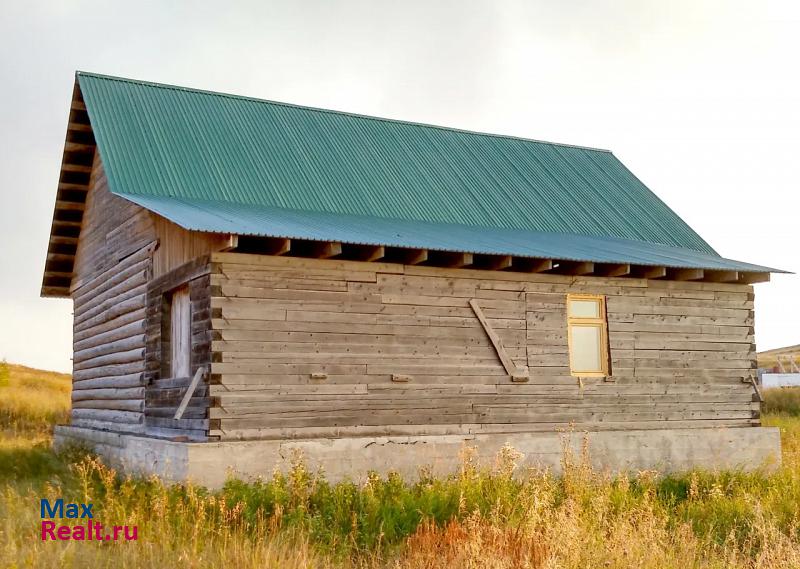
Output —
(273, 230)
(508, 249)
(73, 186)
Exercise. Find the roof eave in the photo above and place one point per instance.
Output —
(73, 186)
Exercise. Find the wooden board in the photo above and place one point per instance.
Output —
(312, 346)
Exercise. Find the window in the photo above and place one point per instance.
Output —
(180, 328)
(588, 336)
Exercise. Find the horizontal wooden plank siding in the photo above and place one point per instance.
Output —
(307, 347)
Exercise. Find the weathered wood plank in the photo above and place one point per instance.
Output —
(109, 393)
(678, 349)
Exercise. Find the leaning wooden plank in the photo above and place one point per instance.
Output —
(509, 365)
(198, 375)
(752, 381)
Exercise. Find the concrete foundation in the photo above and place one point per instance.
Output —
(209, 464)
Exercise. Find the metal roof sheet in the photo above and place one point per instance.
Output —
(162, 141)
(223, 163)
(246, 219)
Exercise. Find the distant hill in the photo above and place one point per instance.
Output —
(32, 400)
(769, 358)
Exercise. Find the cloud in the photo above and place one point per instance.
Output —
(697, 97)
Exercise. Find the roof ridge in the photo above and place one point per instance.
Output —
(334, 111)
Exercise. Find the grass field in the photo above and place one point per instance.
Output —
(497, 518)
(769, 358)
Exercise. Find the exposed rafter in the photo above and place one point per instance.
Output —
(612, 270)
(685, 274)
(646, 272)
(73, 186)
(375, 253)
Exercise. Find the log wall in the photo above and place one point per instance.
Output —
(109, 346)
(112, 229)
(305, 348)
(164, 392)
(127, 258)
(112, 268)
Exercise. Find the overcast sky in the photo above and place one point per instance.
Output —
(701, 99)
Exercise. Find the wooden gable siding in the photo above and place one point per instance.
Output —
(178, 246)
(112, 229)
(306, 348)
(124, 254)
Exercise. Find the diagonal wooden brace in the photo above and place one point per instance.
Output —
(198, 375)
(752, 380)
(516, 374)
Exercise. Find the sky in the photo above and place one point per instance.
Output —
(699, 98)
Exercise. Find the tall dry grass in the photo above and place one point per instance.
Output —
(32, 401)
(496, 517)
(782, 400)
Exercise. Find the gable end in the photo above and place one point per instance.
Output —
(73, 186)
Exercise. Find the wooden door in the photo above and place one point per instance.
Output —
(180, 333)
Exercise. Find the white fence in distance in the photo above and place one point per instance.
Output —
(780, 380)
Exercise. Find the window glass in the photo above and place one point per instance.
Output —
(585, 348)
(584, 308)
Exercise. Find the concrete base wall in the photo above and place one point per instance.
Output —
(210, 463)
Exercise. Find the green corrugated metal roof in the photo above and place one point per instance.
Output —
(216, 162)
(227, 217)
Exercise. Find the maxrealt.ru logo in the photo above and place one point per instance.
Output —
(52, 531)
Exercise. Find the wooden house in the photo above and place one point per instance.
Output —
(250, 277)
